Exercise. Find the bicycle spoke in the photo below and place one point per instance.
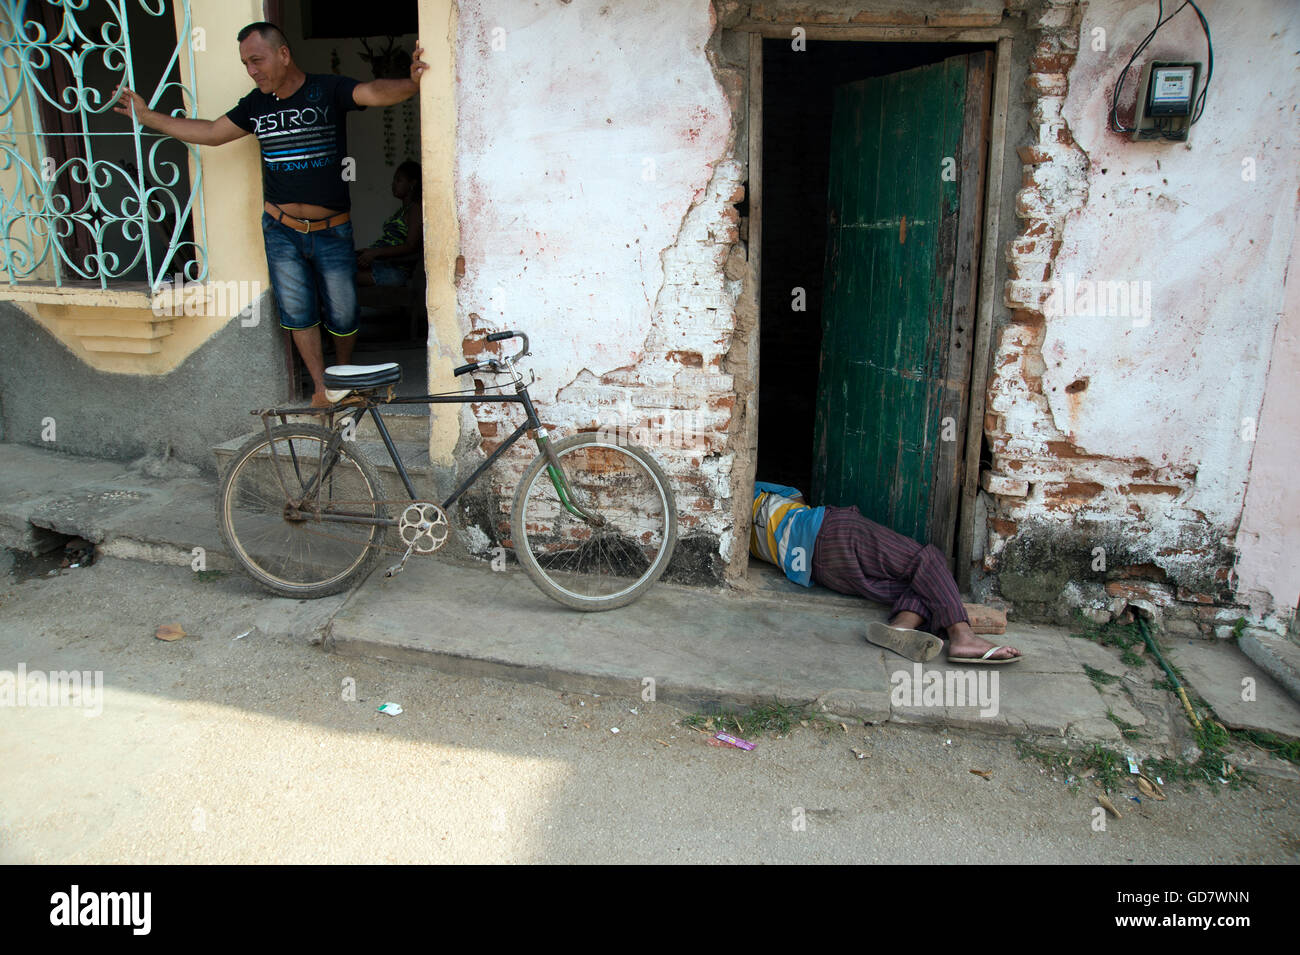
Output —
(597, 564)
(293, 545)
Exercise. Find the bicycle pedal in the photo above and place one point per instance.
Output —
(400, 566)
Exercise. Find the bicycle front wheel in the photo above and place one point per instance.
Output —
(298, 517)
(614, 555)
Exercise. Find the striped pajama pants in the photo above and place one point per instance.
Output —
(855, 555)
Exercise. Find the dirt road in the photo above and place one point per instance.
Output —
(267, 749)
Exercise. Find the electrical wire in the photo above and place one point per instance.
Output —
(1199, 106)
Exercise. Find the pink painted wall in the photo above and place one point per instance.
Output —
(1269, 537)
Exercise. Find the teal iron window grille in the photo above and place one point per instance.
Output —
(89, 196)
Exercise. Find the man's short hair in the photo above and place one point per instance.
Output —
(411, 170)
(269, 32)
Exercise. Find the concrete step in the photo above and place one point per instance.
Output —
(1276, 656)
(1216, 670)
(707, 648)
(414, 455)
(403, 427)
(170, 530)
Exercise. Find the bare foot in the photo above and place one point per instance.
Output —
(318, 400)
(907, 620)
(963, 643)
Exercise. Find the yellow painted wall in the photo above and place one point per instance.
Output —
(441, 227)
(232, 207)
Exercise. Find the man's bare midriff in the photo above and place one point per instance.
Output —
(304, 210)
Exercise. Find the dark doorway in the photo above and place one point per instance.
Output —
(799, 90)
(331, 36)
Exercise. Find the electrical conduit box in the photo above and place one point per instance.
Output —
(1166, 100)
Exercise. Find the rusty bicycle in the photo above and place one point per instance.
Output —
(303, 510)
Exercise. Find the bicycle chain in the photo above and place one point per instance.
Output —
(382, 545)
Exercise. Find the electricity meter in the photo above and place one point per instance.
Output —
(1170, 91)
(1166, 100)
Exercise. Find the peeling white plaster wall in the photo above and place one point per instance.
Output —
(583, 142)
(1212, 246)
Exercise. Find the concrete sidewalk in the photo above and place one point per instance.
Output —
(706, 648)
(699, 647)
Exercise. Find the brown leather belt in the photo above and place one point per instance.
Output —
(304, 225)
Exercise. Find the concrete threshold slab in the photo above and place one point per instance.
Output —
(692, 646)
(1242, 694)
(33, 482)
(704, 648)
(1276, 656)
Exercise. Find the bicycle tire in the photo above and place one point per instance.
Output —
(603, 570)
(302, 558)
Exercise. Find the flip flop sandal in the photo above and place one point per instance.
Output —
(984, 660)
(916, 645)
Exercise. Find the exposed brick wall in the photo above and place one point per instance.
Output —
(677, 400)
(667, 386)
(1052, 504)
(1080, 522)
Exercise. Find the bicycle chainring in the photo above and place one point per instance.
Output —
(423, 527)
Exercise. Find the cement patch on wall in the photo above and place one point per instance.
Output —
(1044, 565)
(205, 401)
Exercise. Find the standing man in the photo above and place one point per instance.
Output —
(299, 118)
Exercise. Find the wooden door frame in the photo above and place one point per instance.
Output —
(990, 221)
(945, 498)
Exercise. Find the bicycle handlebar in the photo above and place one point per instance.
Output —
(502, 336)
(494, 337)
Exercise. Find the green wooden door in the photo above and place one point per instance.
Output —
(889, 374)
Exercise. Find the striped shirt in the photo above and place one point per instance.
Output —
(785, 530)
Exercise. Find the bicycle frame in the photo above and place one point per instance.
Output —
(367, 403)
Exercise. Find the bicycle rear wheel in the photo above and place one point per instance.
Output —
(602, 565)
(295, 520)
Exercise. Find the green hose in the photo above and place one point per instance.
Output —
(1169, 672)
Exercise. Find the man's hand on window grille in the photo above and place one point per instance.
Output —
(129, 101)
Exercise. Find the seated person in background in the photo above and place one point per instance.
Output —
(839, 548)
(390, 258)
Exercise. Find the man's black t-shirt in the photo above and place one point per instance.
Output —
(304, 140)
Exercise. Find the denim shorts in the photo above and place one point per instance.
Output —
(303, 265)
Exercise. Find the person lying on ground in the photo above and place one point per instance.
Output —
(839, 548)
